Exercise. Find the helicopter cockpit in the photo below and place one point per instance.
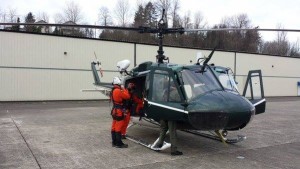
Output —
(196, 83)
(184, 84)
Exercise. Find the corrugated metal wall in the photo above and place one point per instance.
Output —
(35, 67)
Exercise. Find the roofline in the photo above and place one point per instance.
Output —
(182, 47)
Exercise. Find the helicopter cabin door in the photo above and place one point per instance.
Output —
(163, 95)
(254, 91)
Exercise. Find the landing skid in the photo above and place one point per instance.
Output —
(146, 144)
(213, 136)
(216, 135)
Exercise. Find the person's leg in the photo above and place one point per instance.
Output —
(120, 144)
(163, 132)
(118, 128)
(173, 138)
(113, 134)
(124, 128)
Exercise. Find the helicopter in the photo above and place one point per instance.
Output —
(199, 97)
(204, 100)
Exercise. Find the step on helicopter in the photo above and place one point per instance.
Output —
(202, 98)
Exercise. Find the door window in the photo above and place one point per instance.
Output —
(164, 88)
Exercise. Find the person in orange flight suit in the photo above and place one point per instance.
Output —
(118, 112)
(129, 106)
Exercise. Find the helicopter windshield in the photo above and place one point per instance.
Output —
(226, 78)
(228, 82)
(196, 83)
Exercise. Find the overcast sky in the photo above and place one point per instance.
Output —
(262, 13)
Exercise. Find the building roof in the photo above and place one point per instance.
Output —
(70, 23)
(41, 21)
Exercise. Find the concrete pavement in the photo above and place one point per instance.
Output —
(77, 135)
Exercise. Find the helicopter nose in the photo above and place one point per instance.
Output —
(220, 110)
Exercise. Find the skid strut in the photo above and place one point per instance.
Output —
(150, 146)
(165, 145)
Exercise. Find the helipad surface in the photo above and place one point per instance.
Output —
(77, 135)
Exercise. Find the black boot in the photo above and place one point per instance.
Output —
(114, 140)
(119, 142)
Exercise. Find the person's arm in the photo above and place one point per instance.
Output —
(125, 94)
(137, 100)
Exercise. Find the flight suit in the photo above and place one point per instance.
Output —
(118, 112)
(139, 102)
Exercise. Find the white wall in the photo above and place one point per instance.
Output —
(280, 74)
(34, 67)
(39, 69)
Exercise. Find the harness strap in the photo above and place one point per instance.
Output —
(116, 106)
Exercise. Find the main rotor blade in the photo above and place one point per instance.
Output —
(242, 29)
(77, 26)
(151, 30)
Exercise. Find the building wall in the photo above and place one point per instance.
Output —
(35, 67)
(280, 74)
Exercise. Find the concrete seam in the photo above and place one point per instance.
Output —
(26, 143)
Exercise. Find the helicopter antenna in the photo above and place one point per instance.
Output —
(207, 60)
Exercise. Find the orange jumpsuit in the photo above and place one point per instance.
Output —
(118, 96)
(139, 106)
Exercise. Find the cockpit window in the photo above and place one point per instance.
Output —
(228, 82)
(164, 88)
(196, 83)
(226, 78)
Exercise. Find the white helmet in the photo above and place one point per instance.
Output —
(116, 81)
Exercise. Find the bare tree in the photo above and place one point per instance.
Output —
(295, 49)
(237, 21)
(104, 16)
(186, 21)
(166, 5)
(2, 17)
(175, 6)
(8, 16)
(241, 40)
(72, 12)
(12, 15)
(283, 45)
(122, 12)
(242, 21)
(281, 35)
(58, 18)
(141, 3)
(1, 13)
(199, 20)
(43, 16)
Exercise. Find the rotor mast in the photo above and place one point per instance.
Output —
(160, 30)
(161, 26)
